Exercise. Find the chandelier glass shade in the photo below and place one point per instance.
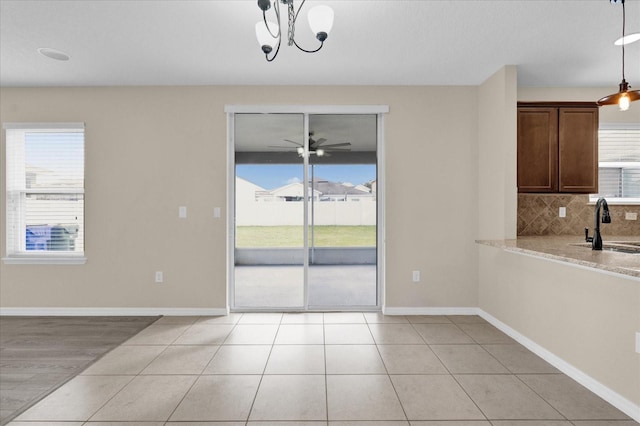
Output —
(624, 96)
(269, 33)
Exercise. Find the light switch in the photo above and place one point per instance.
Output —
(182, 212)
(216, 212)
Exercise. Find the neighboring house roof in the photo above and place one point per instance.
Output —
(321, 187)
(247, 184)
(328, 188)
(292, 190)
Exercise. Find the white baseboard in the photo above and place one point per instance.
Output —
(132, 312)
(429, 311)
(621, 403)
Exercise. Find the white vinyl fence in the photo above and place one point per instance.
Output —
(334, 213)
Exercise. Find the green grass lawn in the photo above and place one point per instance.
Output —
(291, 236)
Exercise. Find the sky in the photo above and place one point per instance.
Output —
(274, 176)
(59, 152)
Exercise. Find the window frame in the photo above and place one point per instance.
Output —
(19, 255)
(617, 165)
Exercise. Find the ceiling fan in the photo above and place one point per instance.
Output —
(316, 146)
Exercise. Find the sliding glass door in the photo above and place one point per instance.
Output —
(343, 212)
(269, 211)
(305, 203)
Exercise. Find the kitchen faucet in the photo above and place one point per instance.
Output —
(596, 240)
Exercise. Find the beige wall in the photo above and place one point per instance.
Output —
(497, 133)
(152, 149)
(587, 318)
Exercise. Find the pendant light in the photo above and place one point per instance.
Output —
(269, 33)
(624, 97)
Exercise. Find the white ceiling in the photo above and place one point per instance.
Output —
(270, 132)
(374, 42)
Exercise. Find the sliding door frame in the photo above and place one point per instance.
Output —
(379, 111)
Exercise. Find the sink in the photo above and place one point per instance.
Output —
(631, 247)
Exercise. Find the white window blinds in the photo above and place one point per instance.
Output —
(45, 189)
(619, 167)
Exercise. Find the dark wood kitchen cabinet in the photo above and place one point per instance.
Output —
(558, 147)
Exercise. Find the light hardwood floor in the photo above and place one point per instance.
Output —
(38, 354)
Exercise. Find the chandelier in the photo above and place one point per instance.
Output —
(624, 97)
(269, 34)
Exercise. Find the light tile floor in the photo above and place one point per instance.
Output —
(342, 369)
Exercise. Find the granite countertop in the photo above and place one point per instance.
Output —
(561, 248)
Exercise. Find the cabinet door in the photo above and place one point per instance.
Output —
(537, 149)
(578, 150)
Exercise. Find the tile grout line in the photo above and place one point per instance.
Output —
(199, 376)
(449, 371)
(512, 374)
(540, 396)
(264, 369)
(519, 379)
(393, 386)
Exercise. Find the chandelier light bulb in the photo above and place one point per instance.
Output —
(624, 102)
(264, 36)
(320, 19)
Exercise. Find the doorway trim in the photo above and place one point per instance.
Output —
(380, 111)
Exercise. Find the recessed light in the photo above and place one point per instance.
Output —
(628, 39)
(53, 54)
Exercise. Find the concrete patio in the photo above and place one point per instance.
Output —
(281, 286)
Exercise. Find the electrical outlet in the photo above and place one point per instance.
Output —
(416, 276)
(631, 216)
(159, 277)
(638, 342)
(562, 212)
(182, 212)
(216, 212)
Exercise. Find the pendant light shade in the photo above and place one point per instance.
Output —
(263, 34)
(624, 97)
(321, 20)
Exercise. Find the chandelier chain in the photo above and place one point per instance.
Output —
(292, 22)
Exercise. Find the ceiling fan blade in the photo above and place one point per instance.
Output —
(293, 142)
(319, 141)
(281, 147)
(337, 144)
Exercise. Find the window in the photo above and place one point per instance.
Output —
(619, 163)
(45, 192)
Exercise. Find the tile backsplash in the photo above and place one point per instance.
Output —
(538, 215)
